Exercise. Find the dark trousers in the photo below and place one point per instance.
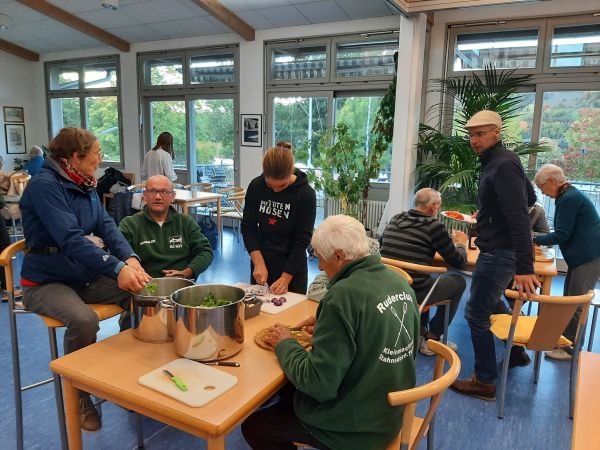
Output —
(492, 273)
(579, 281)
(450, 287)
(277, 427)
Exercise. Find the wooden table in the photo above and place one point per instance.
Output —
(587, 399)
(110, 369)
(545, 271)
(184, 199)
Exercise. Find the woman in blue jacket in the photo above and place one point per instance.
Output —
(76, 253)
(577, 233)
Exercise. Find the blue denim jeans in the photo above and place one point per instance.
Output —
(493, 271)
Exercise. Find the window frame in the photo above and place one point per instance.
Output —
(557, 23)
(456, 29)
(82, 93)
(297, 43)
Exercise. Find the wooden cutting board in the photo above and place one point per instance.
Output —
(544, 255)
(204, 383)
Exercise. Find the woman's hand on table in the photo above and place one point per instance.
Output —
(307, 325)
(260, 274)
(132, 279)
(280, 286)
(277, 333)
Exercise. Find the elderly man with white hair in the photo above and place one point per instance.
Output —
(577, 233)
(415, 236)
(363, 347)
(36, 160)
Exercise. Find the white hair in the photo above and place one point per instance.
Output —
(341, 233)
(35, 151)
(426, 196)
(549, 172)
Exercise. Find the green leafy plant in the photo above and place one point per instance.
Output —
(445, 161)
(18, 163)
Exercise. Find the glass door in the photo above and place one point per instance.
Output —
(213, 152)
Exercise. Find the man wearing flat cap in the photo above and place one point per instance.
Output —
(506, 250)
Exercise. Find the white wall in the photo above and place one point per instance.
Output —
(251, 78)
(22, 84)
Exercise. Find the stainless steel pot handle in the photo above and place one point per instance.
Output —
(166, 303)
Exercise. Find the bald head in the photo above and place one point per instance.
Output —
(159, 181)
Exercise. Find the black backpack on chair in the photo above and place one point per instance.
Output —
(111, 177)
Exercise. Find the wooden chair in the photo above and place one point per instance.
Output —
(540, 333)
(137, 186)
(399, 271)
(425, 305)
(7, 258)
(414, 428)
(237, 201)
(19, 181)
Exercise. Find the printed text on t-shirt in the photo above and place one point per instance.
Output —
(277, 209)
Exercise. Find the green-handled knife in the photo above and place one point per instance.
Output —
(178, 381)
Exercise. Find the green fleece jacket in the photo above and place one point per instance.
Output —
(177, 244)
(363, 347)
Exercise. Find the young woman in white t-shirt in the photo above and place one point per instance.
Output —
(159, 160)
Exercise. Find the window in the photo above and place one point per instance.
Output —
(502, 49)
(295, 63)
(575, 46)
(365, 59)
(193, 94)
(93, 104)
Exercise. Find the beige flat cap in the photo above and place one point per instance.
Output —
(484, 117)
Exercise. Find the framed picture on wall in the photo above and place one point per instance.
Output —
(13, 114)
(15, 139)
(252, 130)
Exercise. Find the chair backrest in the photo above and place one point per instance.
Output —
(413, 267)
(554, 313)
(206, 187)
(237, 200)
(399, 271)
(434, 390)
(20, 180)
(130, 176)
(6, 261)
(228, 191)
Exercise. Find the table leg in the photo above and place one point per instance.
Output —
(71, 395)
(216, 442)
(219, 224)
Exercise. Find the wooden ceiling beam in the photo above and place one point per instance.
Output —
(19, 51)
(227, 18)
(66, 18)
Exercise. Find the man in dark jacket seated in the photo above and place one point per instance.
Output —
(415, 236)
(363, 347)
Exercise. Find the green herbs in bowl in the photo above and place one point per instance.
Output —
(210, 301)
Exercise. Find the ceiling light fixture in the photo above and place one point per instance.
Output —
(4, 22)
(113, 5)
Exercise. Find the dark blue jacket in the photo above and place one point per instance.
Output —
(504, 195)
(576, 229)
(58, 213)
(34, 165)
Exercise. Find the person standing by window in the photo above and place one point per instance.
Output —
(159, 160)
(278, 220)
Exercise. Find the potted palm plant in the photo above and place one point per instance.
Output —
(445, 160)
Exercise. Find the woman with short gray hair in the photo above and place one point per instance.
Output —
(577, 233)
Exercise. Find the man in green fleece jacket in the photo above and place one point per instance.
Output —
(363, 347)
(168, 243)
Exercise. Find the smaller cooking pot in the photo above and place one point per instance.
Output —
(151, 323)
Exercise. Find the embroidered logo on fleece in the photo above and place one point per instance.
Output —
(176, 241)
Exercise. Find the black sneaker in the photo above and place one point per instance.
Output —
(518, 358)
(89, 419)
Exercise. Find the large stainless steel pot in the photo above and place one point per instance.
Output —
(205, 334)
(151, 323)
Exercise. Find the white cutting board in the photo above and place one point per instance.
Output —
(291, 299)
(198, 378)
